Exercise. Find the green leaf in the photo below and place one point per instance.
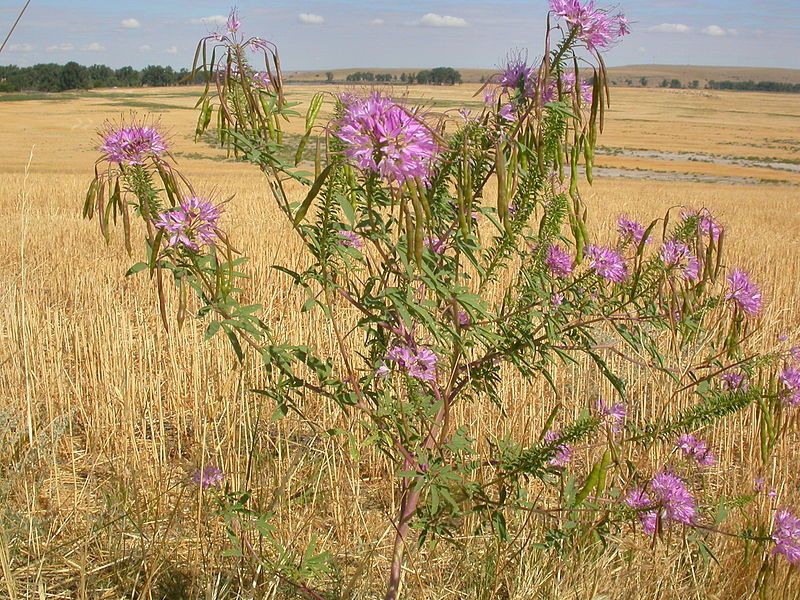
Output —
(137, 268)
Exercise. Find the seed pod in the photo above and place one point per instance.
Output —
(500, 167)
(419, 230)
(588, 156)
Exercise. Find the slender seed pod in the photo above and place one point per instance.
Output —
(421, 192)
(462, 221)
(500, 167)
(419, 230)
(317, 161)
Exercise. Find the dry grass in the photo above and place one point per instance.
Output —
(103, 414)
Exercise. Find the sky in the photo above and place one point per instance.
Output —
(328, 34)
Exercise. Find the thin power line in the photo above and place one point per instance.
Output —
(14, 26)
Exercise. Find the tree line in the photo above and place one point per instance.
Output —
(52, 77)
(437, 76)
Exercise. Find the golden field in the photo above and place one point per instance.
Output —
(103, 414)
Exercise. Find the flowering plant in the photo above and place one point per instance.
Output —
(434, 295)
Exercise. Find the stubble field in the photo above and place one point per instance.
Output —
(103, 414)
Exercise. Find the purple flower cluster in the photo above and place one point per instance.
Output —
(419, 362)
(191, 224)
(558, 261)
(261, 80)
(630, 231)
(584, 89)
(518, 77)
(668, 500)
(436, 245)
(208, 476)
(696, 449)
(744, 293)
(790, 378)
(607, 263)
(383, 137)
(676, 255)
(563, 452)
(734, 382)
(351, 239)
(613, 415)
(595, 27)
(233, 22)
(507, 112)
(132, 145)
(707, 225)
(786, 536)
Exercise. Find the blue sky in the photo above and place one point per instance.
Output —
(325, 34)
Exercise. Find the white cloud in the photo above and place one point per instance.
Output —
(717, 31)
(434, 20)
(95, 47)
(311, 19)
(377, 22)
(211, 20)
(145, 48)
(671, 28)
(172, 50)
(63, 47)
(20, 48)
(130, 24)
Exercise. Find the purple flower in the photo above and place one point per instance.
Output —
(208, 476)
(744, 293)
(696, 449)
(614, 415)
(607, 263)
(790, 378)
(259, 44)
(518, 78)
(786, 536)
(261, 80)
(463, 319)
(233, 23)
(191, 224)
(668, 500)
(795, 352)
(351, 239)
(435, 244)
(676, 255)
(706, 223)
(563, 452)
(630, 231)
(557, 299)
(584, 88)
(382, 371)
(734, 382)
(558, 261)
(507, 112)
(383, 137)
(132, 145)
(419, 362)
(594, 26)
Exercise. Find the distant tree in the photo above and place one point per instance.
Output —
(128, 77)
(675, 84)
(329, 77)
(665, 83)
(74, 77)
(694, 84)
(156, 75)
(102, 76)
(643, 82)
(403, 78)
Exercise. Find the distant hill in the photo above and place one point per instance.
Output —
(628, 75)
